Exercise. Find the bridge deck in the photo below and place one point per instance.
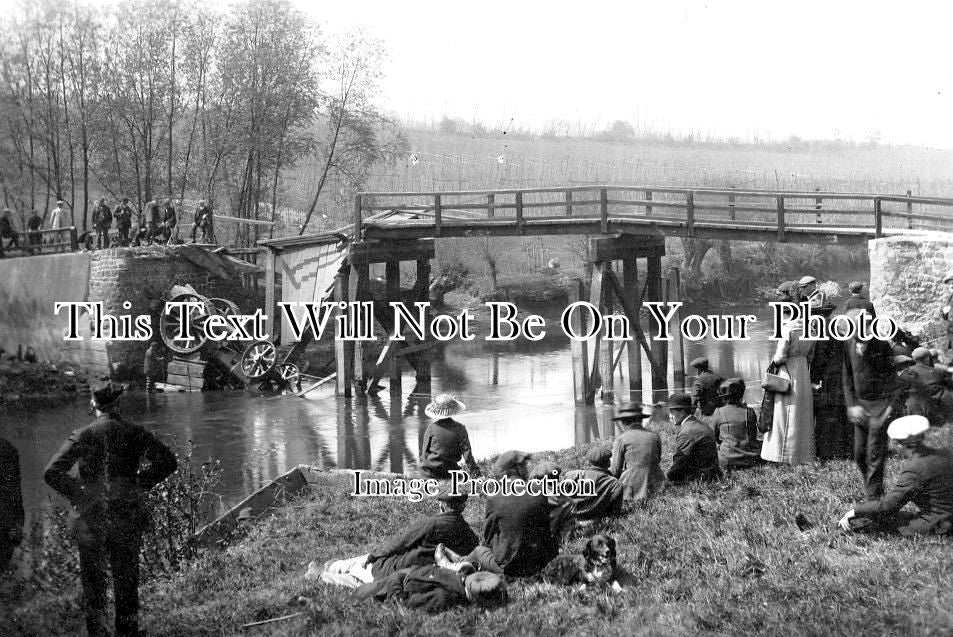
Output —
(815, 217)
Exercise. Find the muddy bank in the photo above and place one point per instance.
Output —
(40, 382)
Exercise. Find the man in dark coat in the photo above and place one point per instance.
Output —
(203, 220)
(833, 433)
(169, 221)
(926, 479)
(696, 452)
(153, 220)
(871, 390)
(108, 499)
(123, 215)
(7, 231)
(11, 503)
(102, 220)
(517, 536)
(928, 393)
(414, 547)
(636, 454)
(433, 589)
(445, 441)
(608, 498)
(856, 300)
(705, 387)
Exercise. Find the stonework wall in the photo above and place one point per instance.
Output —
(906, 281)
(143, 277)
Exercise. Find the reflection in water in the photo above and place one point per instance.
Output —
(518, 396)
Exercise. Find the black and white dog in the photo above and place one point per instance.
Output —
(596, 565)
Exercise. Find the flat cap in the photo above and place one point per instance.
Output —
(699, 362)
(509, 460)
(907, 426)
(599, 455)
(545, 469)
(920, 353)
(786, 286)
(855, 287)
(806, 280)
(680, 401)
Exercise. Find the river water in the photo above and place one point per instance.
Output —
(519, 395)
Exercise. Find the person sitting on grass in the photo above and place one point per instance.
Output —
(608, 498)
(561, 516)
(445, 441)
(434, 589)
(414, 547)
(517, 535)
(636, 454)
(926, 479)
(696, 453)
(736, 428)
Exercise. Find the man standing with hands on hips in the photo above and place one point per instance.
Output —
(109, 513)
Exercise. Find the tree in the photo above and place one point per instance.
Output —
(694, 254)
(357, 136)
(620, 131)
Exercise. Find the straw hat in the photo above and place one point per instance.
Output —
(908, 426)
(444, 406)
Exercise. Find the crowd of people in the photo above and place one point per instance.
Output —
(828, 398)
(156, 223)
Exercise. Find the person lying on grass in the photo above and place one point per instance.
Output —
(926, 479)
(434, 589)
(415, 547)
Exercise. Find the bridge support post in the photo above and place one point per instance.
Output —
(392, 275)
(580, 356)
(423, 296)
(606, 347)
(654, 292)
(630, 286)
(343, 350)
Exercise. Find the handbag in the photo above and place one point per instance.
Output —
(774, 383)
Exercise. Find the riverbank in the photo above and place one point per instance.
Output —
(717, 559)
(40, 383)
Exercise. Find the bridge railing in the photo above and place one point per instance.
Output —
(31, 242)
(765, 210)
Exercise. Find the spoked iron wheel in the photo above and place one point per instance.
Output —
(258, 359)
(169, 325)
(289, 375)
(224, 307)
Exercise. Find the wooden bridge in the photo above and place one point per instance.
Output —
(626, 224)
(705, 213)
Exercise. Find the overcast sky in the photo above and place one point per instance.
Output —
(807, 68)
(816, 69)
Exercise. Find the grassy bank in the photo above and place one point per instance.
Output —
(722, 559)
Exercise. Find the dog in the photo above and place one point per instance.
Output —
(596, 565)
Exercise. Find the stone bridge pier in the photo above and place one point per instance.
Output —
(906, 282)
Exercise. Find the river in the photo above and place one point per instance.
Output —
(519, 395)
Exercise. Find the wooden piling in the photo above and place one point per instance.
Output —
(654, 292)
(606, 366)
(630, 286)
(392, 275)
(580, 366)
(673, 282)
(423, 296)
(343, 350)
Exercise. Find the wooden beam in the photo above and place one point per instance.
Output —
(606, 346)
(383, 251)
(250, 222)
(623, 247)
(630, 290)
(654, 292)
(392, 276)
(631, 310)
(343, 350)
(678, 346)
(580, 358)
(270, 307)
(357, 292)
(596, 298)
(422, 286)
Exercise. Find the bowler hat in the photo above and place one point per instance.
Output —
(510, 460)
(632, 410)
(731, 387)
(444, 406)
(680, 401)
(855, 287)
(907, 426)
(106, 393)
(699, 363)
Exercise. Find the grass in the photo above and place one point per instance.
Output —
(721, 559)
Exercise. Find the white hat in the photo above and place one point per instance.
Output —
(908, 426)
(805, 280)
(444, 406)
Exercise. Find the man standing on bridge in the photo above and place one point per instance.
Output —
(203, 221)
(60, 217)
(102, 220)
(108, 498)
(123, 217)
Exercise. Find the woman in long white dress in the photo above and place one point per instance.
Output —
(791, 438)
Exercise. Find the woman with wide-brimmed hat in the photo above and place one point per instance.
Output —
(446, 441)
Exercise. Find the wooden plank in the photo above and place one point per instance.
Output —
(250, 222)
(490, 205)
(648, 199)
(568, 203)
(392, 275)
(631, 308)
(780, 201)
(604, 210)
(690, 212)
(259, 504)
(366, 252)
(878, 219)
(436, 215)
